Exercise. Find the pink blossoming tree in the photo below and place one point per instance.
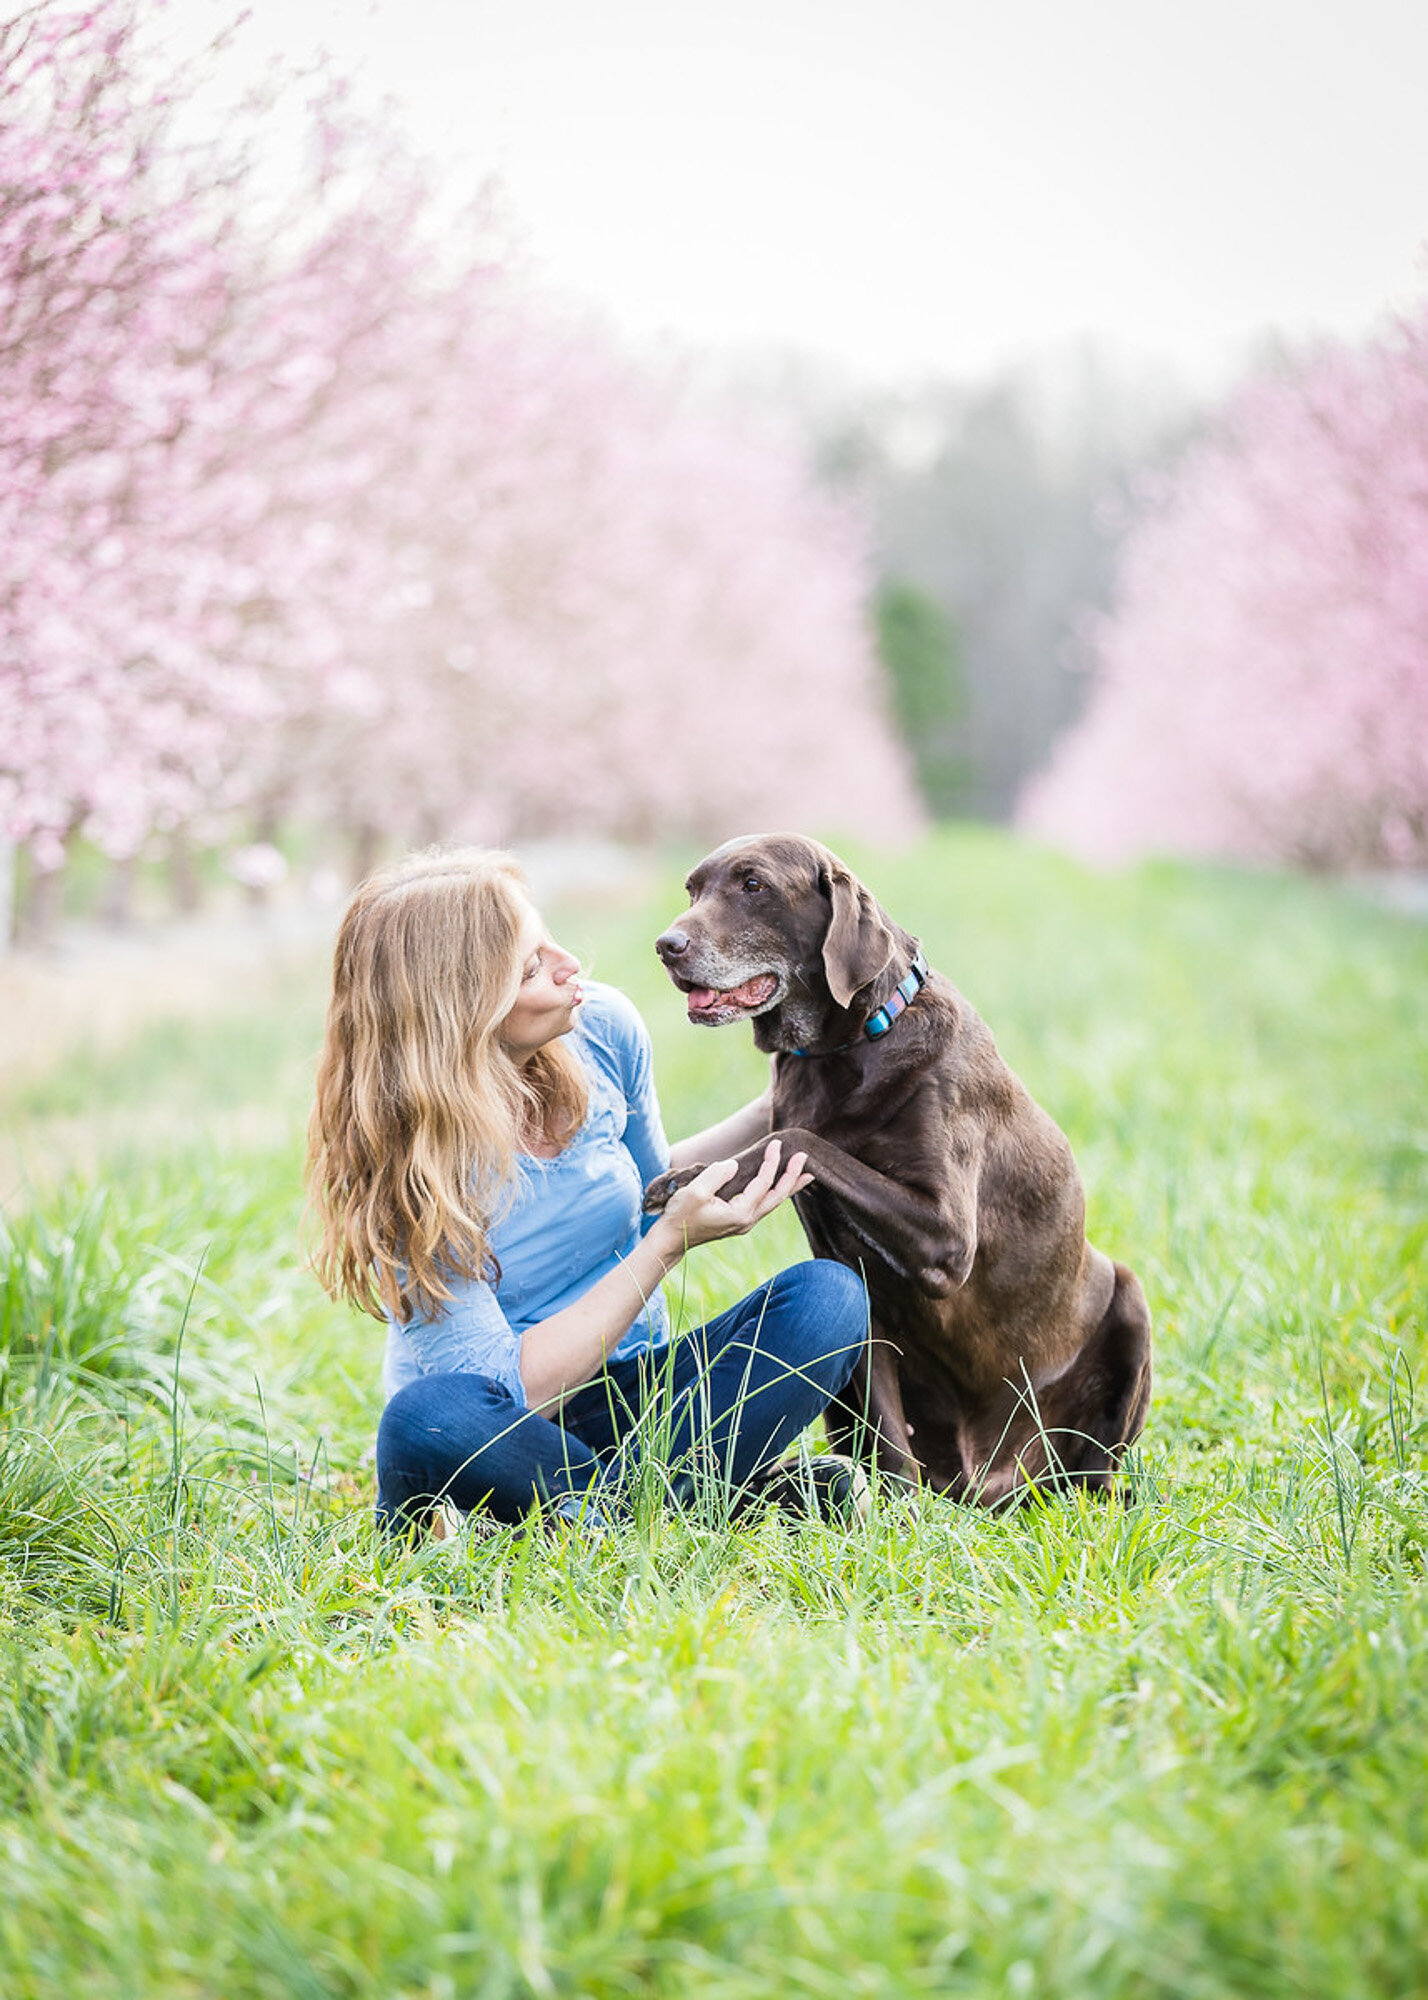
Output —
(340, 526)
(1261, 685)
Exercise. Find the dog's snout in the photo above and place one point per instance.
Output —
(672, 944)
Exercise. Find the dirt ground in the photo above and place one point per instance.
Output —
(97, 990)
(97, 987)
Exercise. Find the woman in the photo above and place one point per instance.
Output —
(483, 1130)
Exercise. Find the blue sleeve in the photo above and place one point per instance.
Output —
(468, 1336)
(644, 1126)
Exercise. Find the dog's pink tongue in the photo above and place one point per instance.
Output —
(704, 999)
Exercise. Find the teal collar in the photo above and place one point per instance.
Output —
(877, 1025)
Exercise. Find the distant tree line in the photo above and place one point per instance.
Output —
(997, 510)
(1137, 626)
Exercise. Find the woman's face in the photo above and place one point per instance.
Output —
(544, 1008)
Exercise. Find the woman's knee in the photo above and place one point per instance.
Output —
(464, 1437)
(424, 1422)
(821, 1290)
(821, 1311)
(839, 1309)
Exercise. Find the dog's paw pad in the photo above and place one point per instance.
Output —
(662, 1190)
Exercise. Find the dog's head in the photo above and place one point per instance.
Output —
(780, 932)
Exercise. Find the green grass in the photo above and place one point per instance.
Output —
(1171, 1749)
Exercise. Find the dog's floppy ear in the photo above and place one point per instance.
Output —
(859, 943)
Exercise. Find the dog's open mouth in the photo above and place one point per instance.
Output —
(707, 1004)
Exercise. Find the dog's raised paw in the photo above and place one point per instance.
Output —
(657, 1194)
(664, 1187)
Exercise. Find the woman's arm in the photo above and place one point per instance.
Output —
(742, 1128)
(561, 1353)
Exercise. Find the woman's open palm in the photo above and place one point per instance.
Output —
(702, 1215)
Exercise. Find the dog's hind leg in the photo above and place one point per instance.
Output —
(1090, 1414)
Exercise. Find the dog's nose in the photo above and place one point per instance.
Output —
(672, 944)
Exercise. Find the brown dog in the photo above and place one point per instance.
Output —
(1004, 1349)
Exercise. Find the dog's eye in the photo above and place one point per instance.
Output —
(751, 885)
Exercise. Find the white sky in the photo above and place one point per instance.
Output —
(910, 186)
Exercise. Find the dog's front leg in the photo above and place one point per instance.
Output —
(926, 1231)
(867, 1418)
(927, 1235)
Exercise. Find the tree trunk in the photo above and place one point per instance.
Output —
(185, 877)
(117, 904)
(366, 852)
(38, 907)
(9, 863)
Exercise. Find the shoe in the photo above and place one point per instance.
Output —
(578, 1513)
(823, 1484)
(445, 1522)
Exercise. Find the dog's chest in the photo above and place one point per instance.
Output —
(823, 1100)
(866, 1116)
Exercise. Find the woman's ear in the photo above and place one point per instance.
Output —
(858, 944)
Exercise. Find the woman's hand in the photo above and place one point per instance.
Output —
(564, 1351)
(696, 1213)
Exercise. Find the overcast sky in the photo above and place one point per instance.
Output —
(912, 186)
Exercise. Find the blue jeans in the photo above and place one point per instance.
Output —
(725, 1399)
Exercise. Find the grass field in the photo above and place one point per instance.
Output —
(1177, 1748)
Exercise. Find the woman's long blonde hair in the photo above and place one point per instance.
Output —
(420, 1111)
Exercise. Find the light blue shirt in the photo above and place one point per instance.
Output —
(570, 1220)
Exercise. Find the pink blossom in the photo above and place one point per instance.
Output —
(1261, 685)
(342, 526)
